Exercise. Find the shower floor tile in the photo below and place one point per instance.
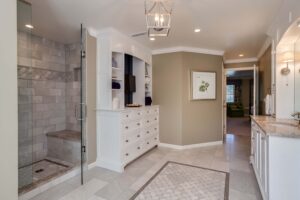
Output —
(43, 171)
(46, 168)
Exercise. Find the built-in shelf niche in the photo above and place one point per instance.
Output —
(117, 71)
(148, 80)
(112, 47)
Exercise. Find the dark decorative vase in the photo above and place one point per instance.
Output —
(148, 101)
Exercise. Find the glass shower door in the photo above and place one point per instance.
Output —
(82, 105)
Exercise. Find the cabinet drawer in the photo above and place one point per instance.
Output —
(149, 120)
(150, 130)
(151, 110)
(131, 125)
(129, 152)
(130, 137)
(155, 139)
(128, 115)
(132, 115)
(132, 151)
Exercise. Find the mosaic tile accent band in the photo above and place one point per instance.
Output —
(30, 73)
(185, 182)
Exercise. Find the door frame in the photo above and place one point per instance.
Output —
(224, 84)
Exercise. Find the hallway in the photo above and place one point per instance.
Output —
(239, 126)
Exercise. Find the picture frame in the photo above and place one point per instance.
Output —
(203, 85)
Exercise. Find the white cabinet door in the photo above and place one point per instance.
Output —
(264, 162)
(257, 149)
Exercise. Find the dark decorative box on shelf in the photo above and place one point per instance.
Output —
(116, 85)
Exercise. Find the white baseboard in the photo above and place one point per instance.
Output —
(92, 165)
(190, 146)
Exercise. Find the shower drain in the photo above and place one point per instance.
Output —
(39, 170)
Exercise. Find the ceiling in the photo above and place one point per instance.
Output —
(234, 26)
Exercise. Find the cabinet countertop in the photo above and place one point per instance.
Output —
(126, 108)
(278, 127)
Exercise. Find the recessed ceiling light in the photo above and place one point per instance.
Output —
(241, 55)
(197, 30)
(152, 38)
(29, 26)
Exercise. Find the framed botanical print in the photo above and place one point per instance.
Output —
(203, 85)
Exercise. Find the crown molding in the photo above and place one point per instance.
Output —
(187, 49)
(264, 47)
(242, 60)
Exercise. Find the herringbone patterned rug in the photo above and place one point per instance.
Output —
(176, 181)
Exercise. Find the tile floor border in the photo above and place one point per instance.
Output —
(227, 174)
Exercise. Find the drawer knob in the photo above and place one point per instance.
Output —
(127, 115)
(138, 148)
(147, 142)
(127, 154)
(139, 113)
(155, 118)
(148, 111)
(155, 128)
(147, 132)
(127, 141)
(138, 136)
(147, 121)
(155, 138)
(126, 127)
(138, 124)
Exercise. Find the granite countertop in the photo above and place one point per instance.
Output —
(278, 127)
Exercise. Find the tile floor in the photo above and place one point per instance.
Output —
(102, 184)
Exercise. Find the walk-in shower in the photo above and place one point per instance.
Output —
(49, 89)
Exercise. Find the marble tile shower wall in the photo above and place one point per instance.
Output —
(44, 80)
(72, 85)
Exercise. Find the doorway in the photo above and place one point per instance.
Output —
(239, 99)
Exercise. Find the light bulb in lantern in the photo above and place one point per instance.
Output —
(156, 17)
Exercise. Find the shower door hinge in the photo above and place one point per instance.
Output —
(83, 149)
(83, 54)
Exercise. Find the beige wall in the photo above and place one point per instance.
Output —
(183, 121)
(91, 54)
(8, 102)
(167, 84)
(201, 120)
(238, 65)
(265, 66)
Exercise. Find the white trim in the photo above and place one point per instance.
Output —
(190, 146)
(238, 69)
(187, 49)
(92, 165)
(242, 60)
(264, 47)
(171, 146)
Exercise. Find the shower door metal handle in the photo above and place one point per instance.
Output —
(83, 112)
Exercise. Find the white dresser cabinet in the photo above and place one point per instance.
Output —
(125, 135)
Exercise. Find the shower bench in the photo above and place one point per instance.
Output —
(64, 145)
